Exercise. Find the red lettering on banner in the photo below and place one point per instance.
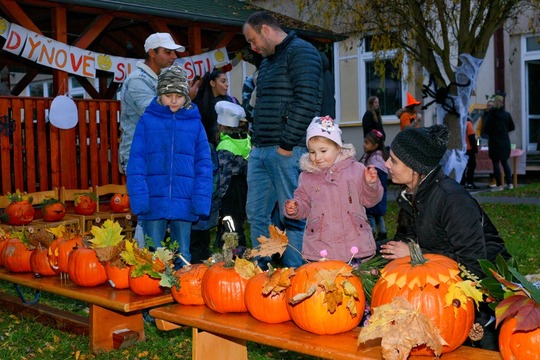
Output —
(13, 36)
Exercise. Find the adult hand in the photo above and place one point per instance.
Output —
(395, 250)
(284, 152)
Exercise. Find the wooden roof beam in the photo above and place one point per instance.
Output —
(17, 14)
(93, 31)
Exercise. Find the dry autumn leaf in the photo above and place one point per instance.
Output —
(246, 268)
(401, 327)
(277, 243)
(278, 281)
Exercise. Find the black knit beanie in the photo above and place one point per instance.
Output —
(421, 149)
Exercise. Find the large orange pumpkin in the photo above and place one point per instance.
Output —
(517, 345)
(85, 204)
(190, 283)
(120, 203)
(118, 277)
(54, 210)
(84, 268)
(20, 213)
(313, 314)
(39, 262)
(270, 308)
(223, 289)
(59, 251)
(16, 256)
(425, 280)
(144, 285)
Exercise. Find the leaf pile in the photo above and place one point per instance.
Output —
(401, 328)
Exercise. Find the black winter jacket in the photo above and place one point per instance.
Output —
(445, 219)
(289, 94)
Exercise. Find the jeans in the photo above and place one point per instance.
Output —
(273, 178)
(497, 171)
(377, 224)
(180, 233)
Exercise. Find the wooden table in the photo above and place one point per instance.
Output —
(484, 164)
(114, 314)
(224, 336)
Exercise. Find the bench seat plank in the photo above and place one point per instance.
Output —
(242, 326)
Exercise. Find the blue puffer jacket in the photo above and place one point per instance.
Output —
(289, 94)
(169, 172)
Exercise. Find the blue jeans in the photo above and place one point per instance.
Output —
(180, 233)
(273, 178)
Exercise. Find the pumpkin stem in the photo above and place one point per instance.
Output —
(417, 258)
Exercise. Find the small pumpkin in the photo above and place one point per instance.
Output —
(84, 268)
(325, 298)
(85, 203)
(266, 306)
(120, 203)
(53, 210)
(3, 243)
(20, 210)
(16, 256)
(190, 282)
(118, 277)
(223, 289)
(39, 262)
(515, 345)
(60, 249)
(426, 281)
(144, 284)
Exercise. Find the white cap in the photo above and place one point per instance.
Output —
(229, 114)
(163, 40)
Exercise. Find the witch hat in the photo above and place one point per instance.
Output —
(411, 101)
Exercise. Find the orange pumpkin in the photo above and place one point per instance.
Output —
(313, 314)
(144, 285)
(85, 204)
(59, 251)
(84, 268)
(3, 243)
(190, 282)
(16, 256)
(425, 280)
(516, 345)
(54, 210)
(120, 203)
(39, 262)
(270, 308)
(118, 277)
(223, 289)
(20, 213)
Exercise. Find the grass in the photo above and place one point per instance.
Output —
(530, 190)
(27, 339)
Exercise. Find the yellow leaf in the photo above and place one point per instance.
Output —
(278, 281)
(109, 234)
(246, 268)
(471, 291)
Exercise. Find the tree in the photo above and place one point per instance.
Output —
(448, 38)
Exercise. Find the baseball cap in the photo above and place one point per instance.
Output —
(163, 40)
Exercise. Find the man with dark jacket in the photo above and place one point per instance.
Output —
(289, 95)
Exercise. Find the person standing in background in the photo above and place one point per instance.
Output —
(472, 150)
(409, 115)
(289, 95)
(372, 118)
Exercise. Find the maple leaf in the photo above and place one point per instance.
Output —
(246, 268)
(109, 234)
(278, 280)
(276, 243)
(401, 327)
(469, 290)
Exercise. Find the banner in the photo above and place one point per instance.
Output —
(57, 55)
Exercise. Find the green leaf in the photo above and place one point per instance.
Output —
(534, 292)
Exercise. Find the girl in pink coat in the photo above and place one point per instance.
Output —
(333, 192)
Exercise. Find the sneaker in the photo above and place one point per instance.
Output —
(471, 187)
(497, 188)
(509, 186)
(492, 183)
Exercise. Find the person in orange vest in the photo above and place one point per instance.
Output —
(409, 116)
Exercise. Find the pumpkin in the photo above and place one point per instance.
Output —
(223, 289)
(144, 285)
(190, 281)
(20, 213)
(85, 204)
(3, 243)
(16, 256)
(425, 281)
(270, 308)
(53, 210)
(314, 313)
(516, 345)
(120, 203)
(84, 268)
(59, 251)
(118, 277)
(39, 262)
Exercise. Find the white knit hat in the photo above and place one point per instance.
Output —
(229, 114)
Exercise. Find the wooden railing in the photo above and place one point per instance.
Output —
(38, 156)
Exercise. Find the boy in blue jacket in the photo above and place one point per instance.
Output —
(169, 172)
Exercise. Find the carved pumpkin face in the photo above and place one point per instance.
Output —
(120, 203)
(85, 204)
(54, 211)
(20, 213)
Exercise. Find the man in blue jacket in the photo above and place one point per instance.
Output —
(289, 95)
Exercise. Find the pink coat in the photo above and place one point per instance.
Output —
(334, 202)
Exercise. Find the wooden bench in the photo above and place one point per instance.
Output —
(224, 336)
(115, 319)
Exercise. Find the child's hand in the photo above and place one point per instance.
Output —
(371, 175)
(291, 207)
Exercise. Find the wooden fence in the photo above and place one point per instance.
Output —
(37, 156)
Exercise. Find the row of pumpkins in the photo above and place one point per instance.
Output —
(320, 297)
(20, 210)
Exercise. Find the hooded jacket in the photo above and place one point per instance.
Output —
(333, 200)
(169, 173)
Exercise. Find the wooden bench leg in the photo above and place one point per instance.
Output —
(212, 346)
(106, 324)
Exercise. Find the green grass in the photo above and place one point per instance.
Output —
(529, 190)
(27, 339)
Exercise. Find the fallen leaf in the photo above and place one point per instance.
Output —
(278, 281)
(277, 243)
(246, 268)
